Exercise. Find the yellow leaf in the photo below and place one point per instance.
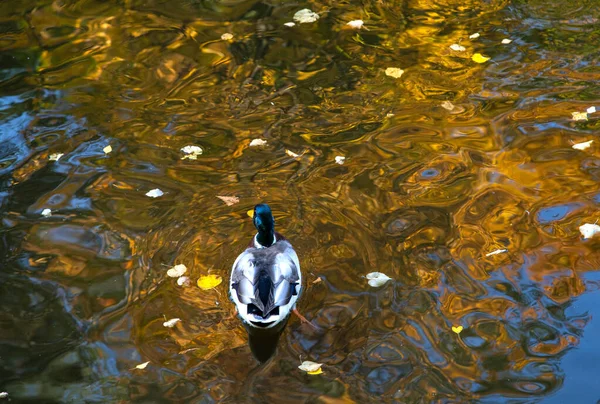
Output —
(209, 282)
(142, 366)
(457, 329)
(479, 58)
(394, 72)
(250, 213)
(316, 372)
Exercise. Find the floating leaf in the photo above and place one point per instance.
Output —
(447, 105)
(229, 200)
(457, 47)
(474, 36)
(155, 193)
(55, 156)
(250, 213)
(191, 152)
(46, 212)
(107, 149)
(183, 281)
(312, 368)
(318, 280)
(394, 72)
(142, 366)
(591, 110)
(209, 282)
(227, 36)
(171, 323)
(177, 271)
(257, 142)
(506, 41)
(582, 145)
(495, 252)
(356, 24)
(289, 24)
(457, 329)
(589, 230)
(479, 58)
(305, 16)
(377, 279)
(4, 394)
(291, 153)
(580, 116)
(340, 159)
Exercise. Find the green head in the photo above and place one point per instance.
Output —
(265, 224)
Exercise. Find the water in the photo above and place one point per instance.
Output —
(424, 194)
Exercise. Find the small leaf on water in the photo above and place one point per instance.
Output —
(311, 367)
(506, 41)
(356, 24)
(257, 142)
(291, 153)
(177, 271)
(377, 279)
(447, 105)
(457, 329)
(142, 366)
(4, 394)
(171, 323)
(316, 372)
(227, 36)
(474, 36)
(55, 156)
(457, 47)
(250, 213)
(340, 159)
(318, 280)
(589, 230)
(591, 110)
(582, 145)
(183, 281)
(209, 282)
(495, 252)
(155, 193)
(305, 16)
(394, 72)
(191, 152)
(289, 24)
(107, 149)
(229, 200)
(580, 116)
(479, 58)
(46, 212)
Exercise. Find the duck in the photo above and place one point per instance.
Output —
(266, 280)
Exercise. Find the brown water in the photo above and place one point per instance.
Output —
(423, 195)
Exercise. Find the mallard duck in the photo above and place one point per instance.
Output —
(266, 280)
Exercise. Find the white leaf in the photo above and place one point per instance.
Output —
(46, 212)
(474, 36)
(289, 24)
(591, 110)
(579, 116)
(457, 47)
(356, 24)
(582, 145)
(227, 36)
(258, 142)
(394, 72)
(291, 153)
(309, 366)
(183, 281)
(495, 252)
(589, 230)
(191, 152)
(4, 394)
(506, 41)
(55, 156)
(447, 105)
(107, 149)
(177, 271)
(171, 323)
(377, 279)
(305, 16)
(340, 159)
(142, 366)
(155, 193)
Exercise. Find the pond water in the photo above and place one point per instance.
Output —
(456, 158)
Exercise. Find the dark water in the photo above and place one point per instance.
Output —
(424, 194)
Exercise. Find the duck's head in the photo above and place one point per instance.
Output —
(265, 224)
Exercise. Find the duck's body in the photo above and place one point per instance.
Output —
(266, 280)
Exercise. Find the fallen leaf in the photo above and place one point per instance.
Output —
(107, 149)
(447, 105)
(340, 159)
(209, 282)
(591, 110)
(582, 145)
(291, 153)
(495, 252)
(305, 16)
(474, 36)
(177, 271)
(191, 152)
(55, 156)
(142, 366)
(312, 368)
(318, 280)
(457, 329)
(356, 24)
(229, 200)
(289, 24)
(250, 213)
(580, 116)
(457, 47)
(183, 281)
(155, 193)
(171, 323)
(46, 213)
(506, 41)
(394, 72)
(227, 36)
(4, 394)
(589, 230)
(389, 115)
(377, 279)
(479, 58)
(257, 142)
